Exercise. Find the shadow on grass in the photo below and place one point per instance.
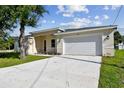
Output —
(9, 55)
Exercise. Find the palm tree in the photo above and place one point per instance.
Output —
(27, 16)
(7, 19)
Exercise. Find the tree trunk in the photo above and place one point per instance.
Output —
(22, 41)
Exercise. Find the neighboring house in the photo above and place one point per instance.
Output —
(121, 46)
(88, 41)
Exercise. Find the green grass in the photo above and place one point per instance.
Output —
(11, 59)
(112, 71)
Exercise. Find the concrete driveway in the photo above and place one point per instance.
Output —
(58, 71)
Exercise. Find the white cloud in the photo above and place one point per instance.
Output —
(61, 8)
(78, 8)
(105, 17)
(44, 21)
(84, 22)
(77, 22)
(114, 7)
(97, 23)
(106, 7)
(67, 15)
(96, 17)
(53, 21)
(68, 11)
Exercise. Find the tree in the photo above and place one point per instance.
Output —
(6, 41)
(7, 22)
(117, 39)
(7, 18)
(27, 16)
(123, 39)
(24, 15)
(10, 42)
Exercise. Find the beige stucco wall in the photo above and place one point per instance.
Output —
(108, 44)
(59, 45)
(31, 49)
(36, 45)
(40, 44)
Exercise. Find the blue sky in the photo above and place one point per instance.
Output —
(77, 16)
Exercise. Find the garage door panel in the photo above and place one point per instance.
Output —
(90, 45)
(81, 39)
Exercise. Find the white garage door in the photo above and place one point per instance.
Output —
(83, 45)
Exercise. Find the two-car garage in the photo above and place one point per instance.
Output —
(90, 45)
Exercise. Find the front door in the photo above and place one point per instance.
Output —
(44, 46)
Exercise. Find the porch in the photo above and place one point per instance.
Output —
(46, 44)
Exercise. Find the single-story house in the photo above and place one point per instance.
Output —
(87, 41)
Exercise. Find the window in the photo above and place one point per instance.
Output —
(53, 43)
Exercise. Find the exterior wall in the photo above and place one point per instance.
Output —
(59, 45)
(40, 44)
(31, 49)
(49, 49)
(108, 43)
(29, 45)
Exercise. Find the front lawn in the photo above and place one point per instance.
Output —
(12, 58)
(112, 71)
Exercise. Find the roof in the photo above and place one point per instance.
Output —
(88, 28)
(45, 30)
(76, 29)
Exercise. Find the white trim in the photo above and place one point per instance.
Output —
(82, 31)
(63, 43)
(45, 30)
